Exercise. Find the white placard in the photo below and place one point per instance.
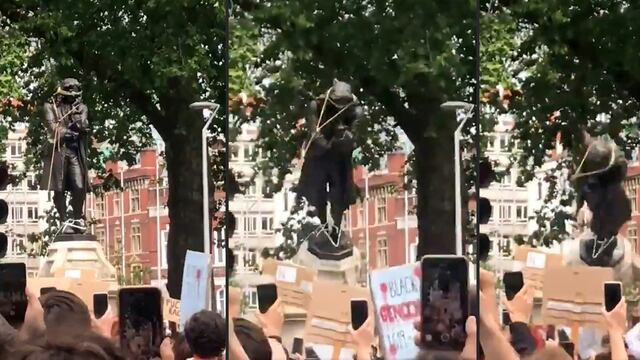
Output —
(286, 274)
(326, 352)
(536, 260)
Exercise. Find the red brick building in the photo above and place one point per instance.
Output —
(386, 215)
(134, 212)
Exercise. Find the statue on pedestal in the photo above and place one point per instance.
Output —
(64, 159)
(327, 172)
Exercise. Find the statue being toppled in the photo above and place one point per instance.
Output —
(327, 172)
(603, 210)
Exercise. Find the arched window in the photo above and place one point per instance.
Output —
(221, 300)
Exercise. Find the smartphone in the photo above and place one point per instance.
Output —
(568, 347)
(267, 296)
(612, 294)
(298, 346)
(444, 301)
(506, 319)
(141, 323)
(13, 299)
(551, 332)
(513, 283)
(45, 290)
(100, 304)
(359, 312)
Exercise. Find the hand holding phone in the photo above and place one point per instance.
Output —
(513, 283)
(13, 298)
(612, 294)
(267, 296)
(100, 304)
(141, 323)
(359, 313)
(298, 346)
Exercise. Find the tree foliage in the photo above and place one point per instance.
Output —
(141, 63)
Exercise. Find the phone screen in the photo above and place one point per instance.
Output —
(513, 283)
(267, 296)
(612, 295)
(100, 304)
(140, 313)
(359, 313)
(569, 347)
(445, 302)
(506, 319)
(45, 290)
(297, 347)
(13, 299)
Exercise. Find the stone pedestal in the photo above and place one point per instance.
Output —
(343, 271)
(77, 251)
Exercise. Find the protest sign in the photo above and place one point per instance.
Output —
(329, 318)
(396, 296)
(195, 294)
(535, 262)
(294, 282)
(171, 310)
(579, 304)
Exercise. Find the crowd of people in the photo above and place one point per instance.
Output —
(59, 325)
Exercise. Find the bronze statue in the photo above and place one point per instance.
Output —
(599, 183)
(65, 156)
(327, 171)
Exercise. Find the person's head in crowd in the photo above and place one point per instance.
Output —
(65, 311)
(181, 349)
(550, 353)
(87, 346)
(253, 340)
(205, 332)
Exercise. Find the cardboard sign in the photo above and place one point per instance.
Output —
(396, 296)
(195, 294)
(536, 261)
(577, 304)
(329, 318)
(171, 310)
(294, 282)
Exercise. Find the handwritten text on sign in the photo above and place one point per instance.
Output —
(172, 310)
(396, 295)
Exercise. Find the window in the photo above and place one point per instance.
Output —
(632, 234)
(165, 239)
(381, 210)
(99, 212)
(506, 179)
(136, 239)
(252, 298)
(221, 297)
(250, 224)
(266, 189)
(267, 224)
(135, 200)
(117, 239)
(383, 253)
(504, 142)
(235, 151)
(100, 237)
(252, 190)
(521, 212)
(539, 190)
(116, 205)
(17, 214)
(361, 215)
(286, 200)
(137, 274)
(633, 203)
(413, 250)
(249, 259)
(15, 150)
(219, 255)
(32, 214)
(248, 153)
(31, 183)
(504, 212)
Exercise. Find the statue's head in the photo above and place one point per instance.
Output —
(69, 89)
(341, 94)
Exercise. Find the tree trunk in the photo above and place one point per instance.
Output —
(435, 175)
(184, 167)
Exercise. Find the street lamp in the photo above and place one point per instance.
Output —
(468, 108)
(213, 108)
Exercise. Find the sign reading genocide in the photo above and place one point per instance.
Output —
(396, 295)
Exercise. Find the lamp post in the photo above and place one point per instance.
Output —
(468, 108)
(213, 108)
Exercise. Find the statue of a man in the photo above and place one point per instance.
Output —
(65, 156)
(327, 154)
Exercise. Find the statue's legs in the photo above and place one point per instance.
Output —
(60, 202)
(336, 194)
(75, 182)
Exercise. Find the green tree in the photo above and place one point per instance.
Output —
(141, 63)
(403, 59)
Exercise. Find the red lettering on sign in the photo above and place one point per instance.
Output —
(400, 312)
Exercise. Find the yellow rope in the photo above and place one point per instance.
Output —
(613, 158)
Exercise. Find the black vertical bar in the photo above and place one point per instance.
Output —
(476, 115)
